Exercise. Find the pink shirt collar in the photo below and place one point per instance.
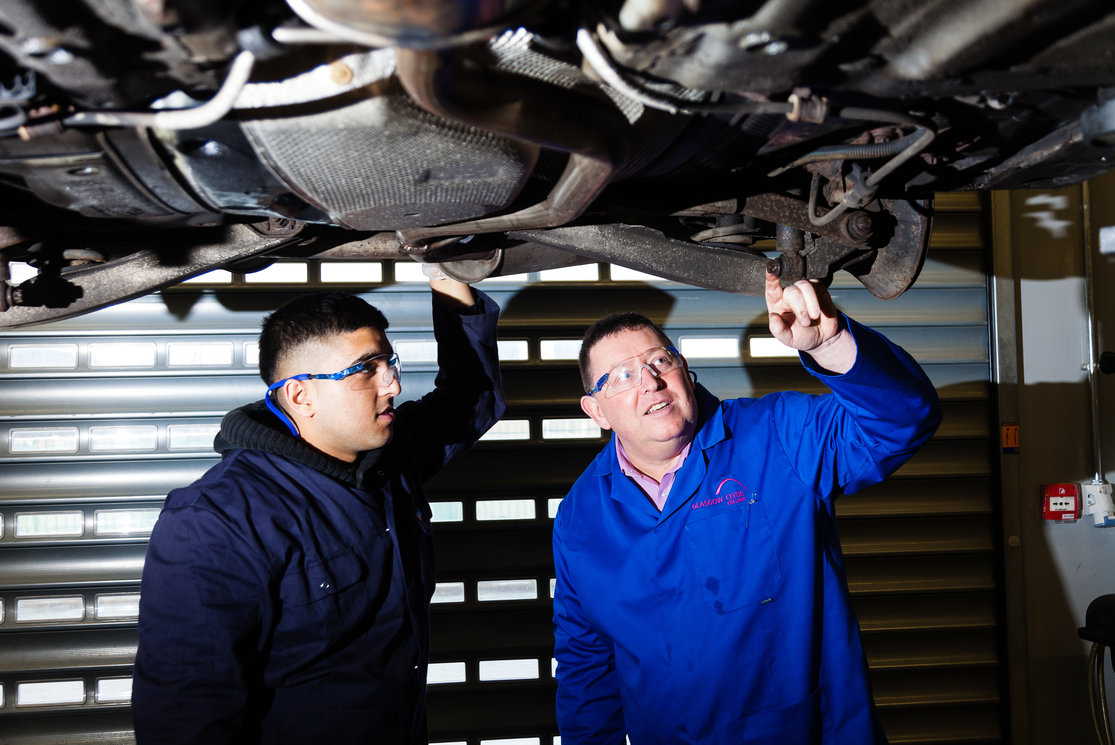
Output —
(655, 491)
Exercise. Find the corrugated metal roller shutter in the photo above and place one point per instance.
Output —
(102, 415)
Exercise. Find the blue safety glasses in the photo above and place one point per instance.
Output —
(378, 371)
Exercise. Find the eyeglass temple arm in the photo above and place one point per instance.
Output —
(282, 415)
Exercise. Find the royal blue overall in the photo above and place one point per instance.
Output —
(726, 619)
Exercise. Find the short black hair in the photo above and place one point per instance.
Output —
(310, 318)
(607, 326)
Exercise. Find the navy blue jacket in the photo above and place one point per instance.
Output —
(285, 594)
(726, 619)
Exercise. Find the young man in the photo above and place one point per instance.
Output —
(700, 592)
(285, 595)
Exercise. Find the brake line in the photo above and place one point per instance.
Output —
(191, 118)
(855, 197)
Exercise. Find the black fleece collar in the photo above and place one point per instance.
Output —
(254, 427)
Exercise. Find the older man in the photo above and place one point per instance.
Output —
(285, 596)
(700, 593)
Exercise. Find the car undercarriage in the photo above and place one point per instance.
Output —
(146, 142)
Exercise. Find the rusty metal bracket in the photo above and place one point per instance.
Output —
(854, 227)
(886, 271)
(645, 249)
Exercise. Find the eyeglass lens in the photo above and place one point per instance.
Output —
(628, 373)
(375, 372)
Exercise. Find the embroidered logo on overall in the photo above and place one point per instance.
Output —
(728, 491)
(728, 482)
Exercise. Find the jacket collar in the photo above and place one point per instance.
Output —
(710, 420)
(254, 427)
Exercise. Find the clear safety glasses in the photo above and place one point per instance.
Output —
(375, 372)
(626, 375)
